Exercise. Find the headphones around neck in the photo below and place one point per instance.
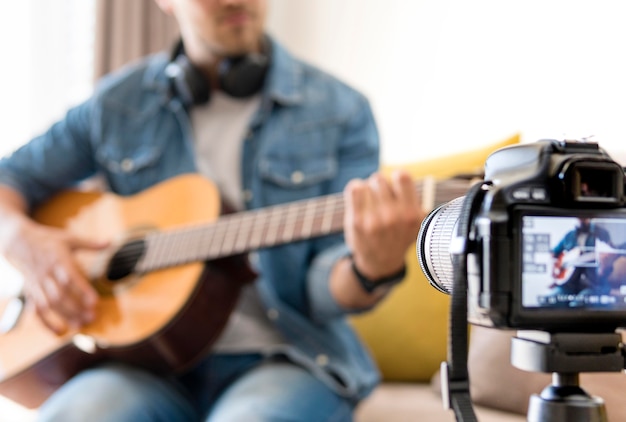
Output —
(239, 76)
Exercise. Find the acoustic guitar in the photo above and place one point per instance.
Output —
(606, 260)
(567, 262)
(168, 282)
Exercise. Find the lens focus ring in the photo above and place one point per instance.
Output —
(433, 244)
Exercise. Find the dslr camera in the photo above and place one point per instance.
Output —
(545, 244)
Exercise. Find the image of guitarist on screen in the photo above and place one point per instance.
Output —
(576, 270)
(230, 104)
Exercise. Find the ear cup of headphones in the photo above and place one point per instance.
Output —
(187, 82)
(242, 77)
(239, 77)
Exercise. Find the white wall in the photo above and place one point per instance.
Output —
(450, 75)
(47, 64)
(442, 75)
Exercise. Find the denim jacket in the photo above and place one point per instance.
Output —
(310, 136)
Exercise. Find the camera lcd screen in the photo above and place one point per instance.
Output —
(573, 262)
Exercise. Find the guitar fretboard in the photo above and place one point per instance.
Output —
(246, 231)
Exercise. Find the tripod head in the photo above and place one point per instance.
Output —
(566, 355)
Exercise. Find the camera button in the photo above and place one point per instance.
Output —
(539, 194)
(521, 194)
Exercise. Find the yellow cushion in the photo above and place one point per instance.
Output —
(407, 333)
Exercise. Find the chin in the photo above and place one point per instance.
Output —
(240, 41)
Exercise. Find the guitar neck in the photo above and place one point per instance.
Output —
(246, 231)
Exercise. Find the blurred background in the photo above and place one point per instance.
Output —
(442, 75)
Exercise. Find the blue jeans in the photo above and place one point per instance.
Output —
(223, 388)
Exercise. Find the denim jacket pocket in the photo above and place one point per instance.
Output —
(299, 156)
(297, 164)
(295, 178)
(129, 171)
(297, 172)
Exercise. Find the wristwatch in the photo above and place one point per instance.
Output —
(371, 285)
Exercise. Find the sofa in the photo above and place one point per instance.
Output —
(407, 335)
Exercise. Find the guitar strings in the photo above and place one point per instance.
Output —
(228, 235)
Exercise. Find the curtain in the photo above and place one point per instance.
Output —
(127, 30)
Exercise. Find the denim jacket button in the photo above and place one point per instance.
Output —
(127, 165)
(321, 359)
(247, 195)
(272, 314)
(297, 177)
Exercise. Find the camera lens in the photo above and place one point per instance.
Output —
(433, 244)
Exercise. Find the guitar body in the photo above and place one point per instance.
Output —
(569, 262)
(163, 320)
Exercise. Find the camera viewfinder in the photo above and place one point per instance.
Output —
(596, 182)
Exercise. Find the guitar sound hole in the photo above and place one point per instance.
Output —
(123, 262)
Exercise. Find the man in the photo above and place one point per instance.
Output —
(287, 352)
(576, 271)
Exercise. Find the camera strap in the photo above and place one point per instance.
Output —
(455, 385)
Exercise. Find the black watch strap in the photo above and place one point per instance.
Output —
(371, 285)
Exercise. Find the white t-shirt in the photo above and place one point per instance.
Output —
(220, 128)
